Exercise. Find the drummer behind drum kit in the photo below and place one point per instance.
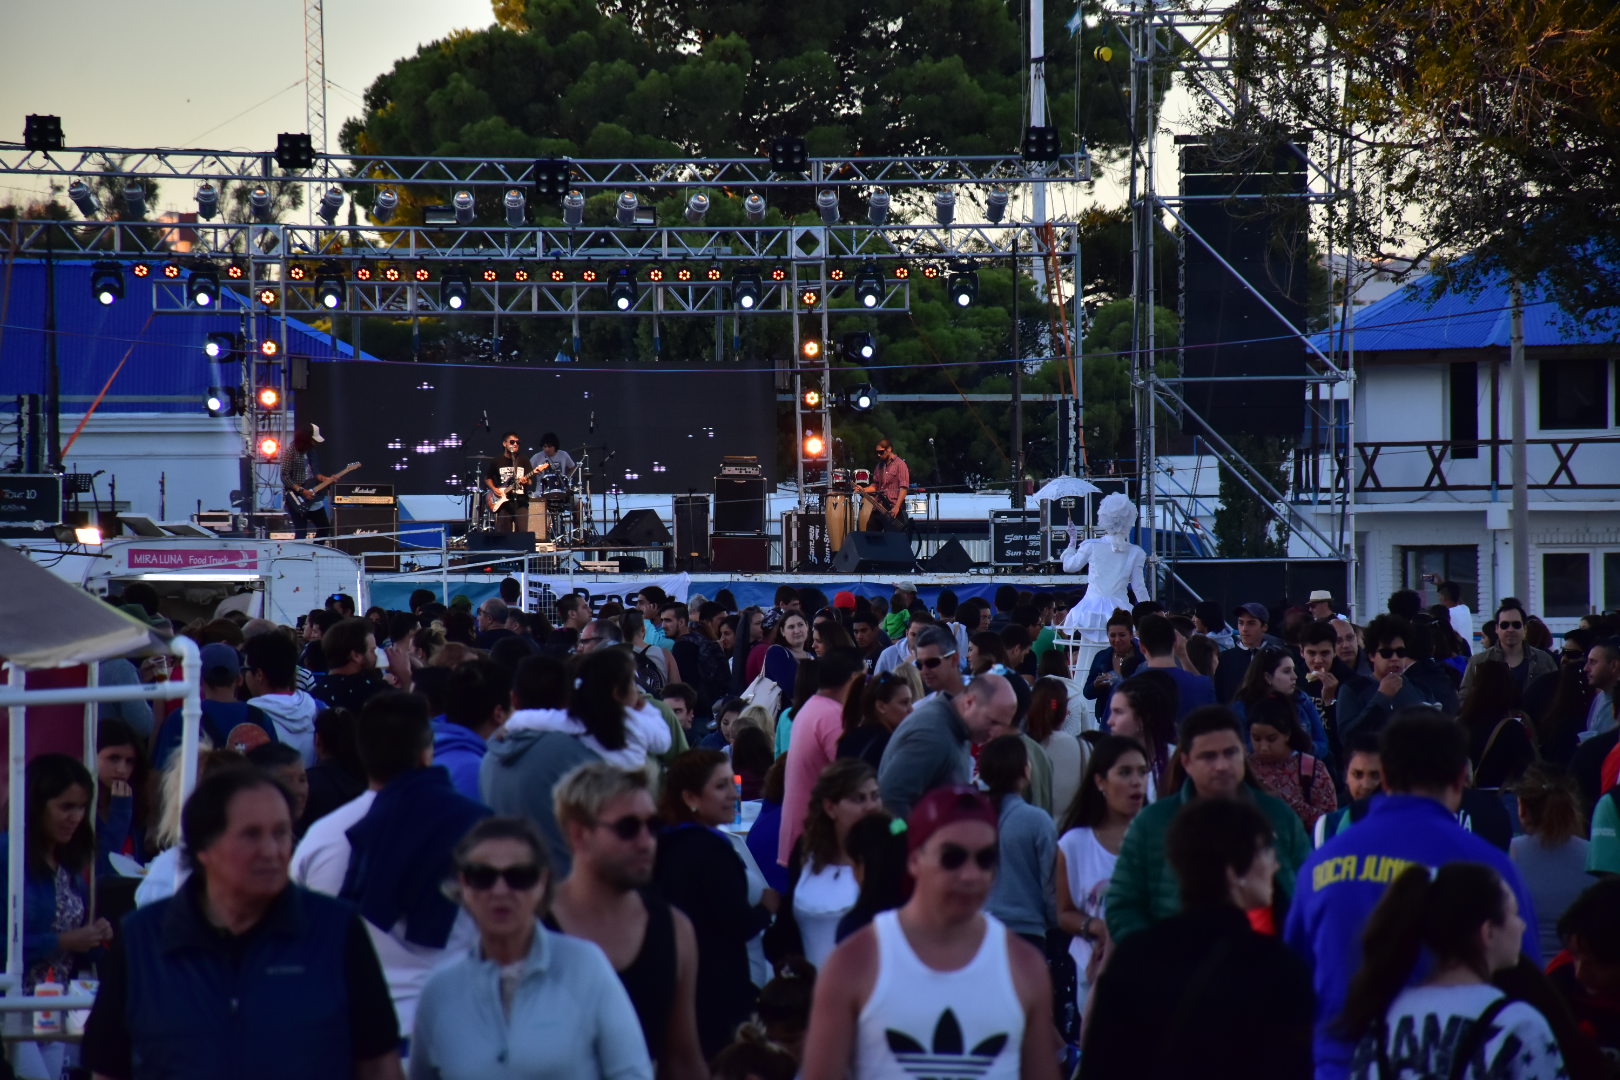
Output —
(559, 510)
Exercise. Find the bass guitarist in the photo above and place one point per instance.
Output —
(506, 478)
(886, 495)
(299, 476)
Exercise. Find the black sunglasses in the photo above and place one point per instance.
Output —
(1505, 625)
(932, 662)
(955, 856)
(482, 878)
(629, 827)
(1390, 654)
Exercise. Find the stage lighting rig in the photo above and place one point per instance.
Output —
(862, 398)
(203, 287)
(827, 206)
(945, 207)
(295, 150)
(223, 347)
(551, 178)
(697, 207)
(754, 208)
(963, 284)
(107, 283)
(815, 447)
(995, 204)
(745, 289)
(624, 210)
(207, 201)
(1041, 143)
(623, 290)
(84, 197)
(516, 207)
(810, 399)
(573, 208)
(877, 207)
(330, 286)
(860, 347)
(331, 203)
(455, 290)
(269, 448)
(810, 352)
(259, 202)
(464, 206)
(42, 132)
(223, 401)
(269, 398)
(384, 205)
(789, 154)
(134, 199)
(869, 285)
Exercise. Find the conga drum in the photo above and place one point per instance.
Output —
(868, 504)
(840, 519)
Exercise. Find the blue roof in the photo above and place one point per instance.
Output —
(1412, 318)
(164, 349)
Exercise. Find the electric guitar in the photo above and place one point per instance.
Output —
(495, 498)
(316, 500)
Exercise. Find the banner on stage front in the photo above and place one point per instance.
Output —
(547, 588)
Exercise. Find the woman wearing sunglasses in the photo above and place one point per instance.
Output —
(526, 1002)
(699, 871)
(1367, 702)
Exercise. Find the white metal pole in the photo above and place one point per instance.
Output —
(1037, 116)
(1520, 525)
(190, 713)
(17, 828)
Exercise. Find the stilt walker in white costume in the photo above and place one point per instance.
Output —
(1115, 563)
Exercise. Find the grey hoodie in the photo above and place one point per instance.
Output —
(294, 717)
(517, 775)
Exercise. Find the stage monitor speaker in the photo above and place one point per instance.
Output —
(638, 528)
(739, 504)
(489, 540)
(740, 554)
(691, 516)
(951, 558)
(866, 551)
(631, 564)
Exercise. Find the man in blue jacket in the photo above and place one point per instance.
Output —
(477, 703)
(1425, 759)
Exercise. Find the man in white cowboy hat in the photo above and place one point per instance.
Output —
(1320, 605)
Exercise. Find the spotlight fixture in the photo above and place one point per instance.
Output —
(624, 210)
(877, 207)
(364, 273)
(463, 203)
(516, 206)
(269, 397)
(222, 400)
(995, 204)
(134, 200)
(869, 285)
(455, 290)
(944, 207)
(84, 198)
(422, 273)
(827, 206)
(42, 132)
(815, 447)
(269, 447)
(269, 347)
(223, 347)
(901, 272)
(207, 201)
(623, 290)
(551, 178)
(862, 398)
(1041, 143)
(810, 399)
(384, 205)
(788, 154)
(330, 204)
(696, 208)
(520, 273)
(295, 150)
(259, 202)
(809, 297)
(964, 284)
(573, 207)
(861, 346)
(779, 274)
(297, 272)
(107, 283)
(754, 208)
(171, 271)
(745, 289)
(141, 269)
(329, 287)
(656, 274)
(391, 273)
(714, 273)
(203, 287)
(810, 351)
(683, 273)
(267, 297)
(490, 274)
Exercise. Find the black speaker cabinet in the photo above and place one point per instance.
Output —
(489, 540)
(367, 508)
(869, 551)
(739, 504)
(951, 558)
(638, 528)
(691, 515)
(740, 554)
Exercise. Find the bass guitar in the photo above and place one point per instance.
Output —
(495, 498)
(316, 500)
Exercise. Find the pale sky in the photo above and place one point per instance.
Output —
(198, 74)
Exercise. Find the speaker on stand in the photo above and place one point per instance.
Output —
(691, 517)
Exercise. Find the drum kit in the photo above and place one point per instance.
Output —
(556, 506)
(848, 510)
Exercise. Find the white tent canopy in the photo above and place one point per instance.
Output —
(47, 623)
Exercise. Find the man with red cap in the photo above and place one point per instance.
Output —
(937, 987)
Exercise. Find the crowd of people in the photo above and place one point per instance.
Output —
(858, 836)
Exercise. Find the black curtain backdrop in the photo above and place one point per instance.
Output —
(417, 426)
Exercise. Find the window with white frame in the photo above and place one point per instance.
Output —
(1579, 582)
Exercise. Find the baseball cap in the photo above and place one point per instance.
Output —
(906, 586)
(461, 600)
(315, 433)
(844, 599)
(220, 655)
(1320, 595)
(946, 806)
(1257, 611)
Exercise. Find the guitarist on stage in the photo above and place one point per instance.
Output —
(507, 476)
(299, 474)
(887, 492)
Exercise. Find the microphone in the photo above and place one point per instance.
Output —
(593, 421)
(486, 420)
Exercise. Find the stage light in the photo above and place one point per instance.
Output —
(624, 210)
(464, 205)
(84, 198)
(269, 397)
(520, 273)
(901, 272)
(269, 347)
(259, 203)
(861, 346)
(1041, 143)
(869, 285)
(714, 273)
(589, 276)
(745, 289)
(810, 399)
(623, 290)
(684, 273)
(330, 288)
(391, 273)
(964, 284)
(134, 199)
(696, 207)
(810, 351)
(42, 132)
(877, 207)
(107, 283)
(862, 398)
(364, 273)
(516, 207)
(655, 275)
(789, 154)
(422, 273)
(207, 201)
(779, 274)
(827, 206)
(835, 273)
(330, 204)
(809, 298)
(944, 207)
(930, 271)
(267, 297)
(558, 274)
(297, 272)
(223, 347)
(221, 401)
(995, 204)
(754, 208)
(384, 205)
(455, 290)
(815, 447)
(269, 447)
(490, 274)
(295, 150)
(203, 287)
(88, 535)
(235, 272)
(141, 269)
(551, 178)
(573, 206)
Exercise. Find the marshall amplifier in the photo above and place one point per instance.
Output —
(359, 513)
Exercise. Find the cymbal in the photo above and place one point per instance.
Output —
(480, 457)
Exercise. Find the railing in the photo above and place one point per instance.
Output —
(1565, 464)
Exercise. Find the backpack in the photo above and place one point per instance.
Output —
(648, 675)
